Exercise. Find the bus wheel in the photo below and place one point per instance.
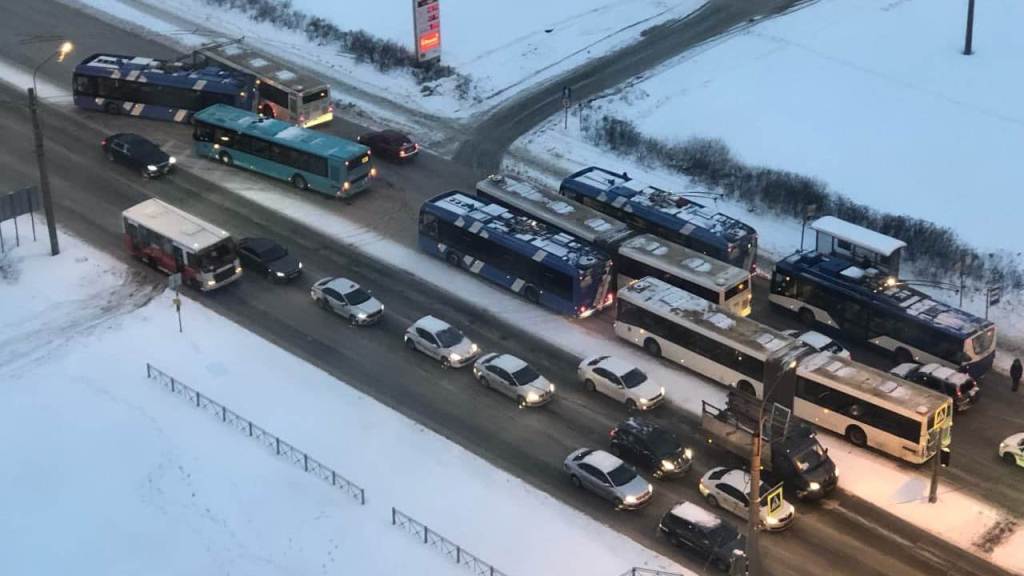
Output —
(452, 258)
(902, 356)
(225, 159)
(856, 436)
(299, 182)
(746, 388)
(652, 347)
(531, 294)
(806, 317)
(111, 108)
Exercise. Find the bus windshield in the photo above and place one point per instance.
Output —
(983, 342)
(314, 96)
(217, 256)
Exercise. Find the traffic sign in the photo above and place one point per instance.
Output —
(995, 293)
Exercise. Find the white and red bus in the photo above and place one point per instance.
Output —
(174, 241)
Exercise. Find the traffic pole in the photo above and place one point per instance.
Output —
(754, 509)
(44, 177)
(969, 40)
(933, 491)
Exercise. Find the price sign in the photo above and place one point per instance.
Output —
(426, 16)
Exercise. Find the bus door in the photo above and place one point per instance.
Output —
(179, 259)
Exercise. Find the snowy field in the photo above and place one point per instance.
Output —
(505, 48)
(122, 477)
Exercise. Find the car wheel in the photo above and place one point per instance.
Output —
(589, 385)
(1009, 459)
(352, 319)
(300, 182)
(806, 317)
(520, 402)
(110, 156)
(618, 503)
(323, 303)
(856, 436)
(452, 258)
(575, 481)
(144, 173)
(111, 108)
(712, 501)
(445, 362)
(484, 382)
(652, 347)
(631, 405)
(225, 159)
(903, 356)
(410, 344)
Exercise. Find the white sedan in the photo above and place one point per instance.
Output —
(729, 489)
(442, 341)
(1011, 450)
(819, 342)
(620, 381)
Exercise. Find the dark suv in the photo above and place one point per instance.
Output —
(390, 144)
(137, 152)
(650, 447)
(959, 386)
(689, 526)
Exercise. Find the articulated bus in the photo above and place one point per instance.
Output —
(310, 160)
(869, 407)
(872, 307)
(670, 215)
(177, 242)
(148, 88)
(282, 91)
(546, 266)
(635, 255)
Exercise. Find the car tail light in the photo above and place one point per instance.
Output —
(609, 298)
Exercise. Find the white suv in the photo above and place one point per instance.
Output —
(440, 340)
(620, 381)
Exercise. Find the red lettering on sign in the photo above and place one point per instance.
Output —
(429, 41)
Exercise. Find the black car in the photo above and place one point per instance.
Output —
(390, 144)
(139, 153)
(650, 447)
(264, 256)
(689, 526)
(963, 389)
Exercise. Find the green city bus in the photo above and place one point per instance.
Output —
(309, 159)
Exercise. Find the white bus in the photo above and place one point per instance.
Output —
(871, 408)
(635, 255)
(177, 242)
(670, 323)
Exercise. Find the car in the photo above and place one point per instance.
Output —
(608, 477)
(620, 381)
(689, 526)
(819, 342)
(137, 152)
(264, 256)
(1011, 450)
(514, 378)
(440, 340)
(390, 144)
(346, 298)
(963, 389)
(729, 489)
(652, 448)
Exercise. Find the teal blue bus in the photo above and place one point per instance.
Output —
(309, 159)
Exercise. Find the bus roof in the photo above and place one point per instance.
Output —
(909, 398)
(858, 235)
(312, 141)
(895, 297)
(560, 212)
(682, 262)
(527, 236)
(162, 72)
(179, 226)
(668, 208)
(263, 66)
(676, 304)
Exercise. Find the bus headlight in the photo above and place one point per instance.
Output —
(688, 453)
(373, 172)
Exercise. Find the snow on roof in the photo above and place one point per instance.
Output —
(342, 285)
(432, 324)
(179, 226)
(696, 515)
(683, 262)
(603, 461)
(616, 366)
(266, 67)
(507, 362)
(815, 339)
(858, 235)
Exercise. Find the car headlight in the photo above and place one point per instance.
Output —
(630, 499)
(551, 388)
(473, 348)
(361, 315)
(814, 486)
(644, 400)
(1002, 447)
(238, 269)
(668, 465)
(532, 397)
(454, 357)
(151, 167)
(279, 274)
(210, 282)
(688, 453)
(300, 265)
(172, 160)
(771, 520)
(703, 489)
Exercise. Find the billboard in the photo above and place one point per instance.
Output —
(426, 16)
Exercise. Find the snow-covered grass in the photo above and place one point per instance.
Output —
(105, 471)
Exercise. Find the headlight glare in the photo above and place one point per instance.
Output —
(688, 453)
(814, 486)
(532, 397)
(667, 465)
(151, 167)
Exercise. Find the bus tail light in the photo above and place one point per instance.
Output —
(609, 298)
(373, 172)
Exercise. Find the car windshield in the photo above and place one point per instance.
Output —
(272, 253)
(525, 375)
(809, 458)
(663, 443)
(722, 534)
(449, 337)
(357, 297)
(217, 256)
(634, 378)
(622, 475)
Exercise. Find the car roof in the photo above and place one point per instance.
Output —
(507, 362)
(343, 285)
(615, 365)
(815, 339)
(432, 324)
(395, 134)
(733, 476)
(944, 373)
(258, 244)
(602, 460)
(696, 515)
(132, 138)
(639, 425)
(905, 369)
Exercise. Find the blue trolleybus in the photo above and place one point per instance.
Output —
(148, 88)
(670, 215)
(544, 265)
(310, 160)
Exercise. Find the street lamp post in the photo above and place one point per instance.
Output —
(44, 177)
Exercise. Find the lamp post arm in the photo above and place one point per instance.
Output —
(40, 65)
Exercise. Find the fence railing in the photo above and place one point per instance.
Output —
(446, 546)
(276, 445)
(648, 572)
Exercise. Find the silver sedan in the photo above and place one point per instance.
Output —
(608, 477)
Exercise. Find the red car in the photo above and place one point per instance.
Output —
(390, 144)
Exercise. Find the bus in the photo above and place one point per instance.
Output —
(872, 307)
(871, 408)
(635, 255)
(310, 160)
(177, 242)
(157, 89)
(671, 215)
(546, 266)
(671, 323)
(282, 91)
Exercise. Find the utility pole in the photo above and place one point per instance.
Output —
(44, 177)
(970, 28)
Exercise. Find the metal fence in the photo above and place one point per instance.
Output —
(446, 546)
(279, 447)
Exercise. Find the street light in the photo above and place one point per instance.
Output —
(44, 178)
